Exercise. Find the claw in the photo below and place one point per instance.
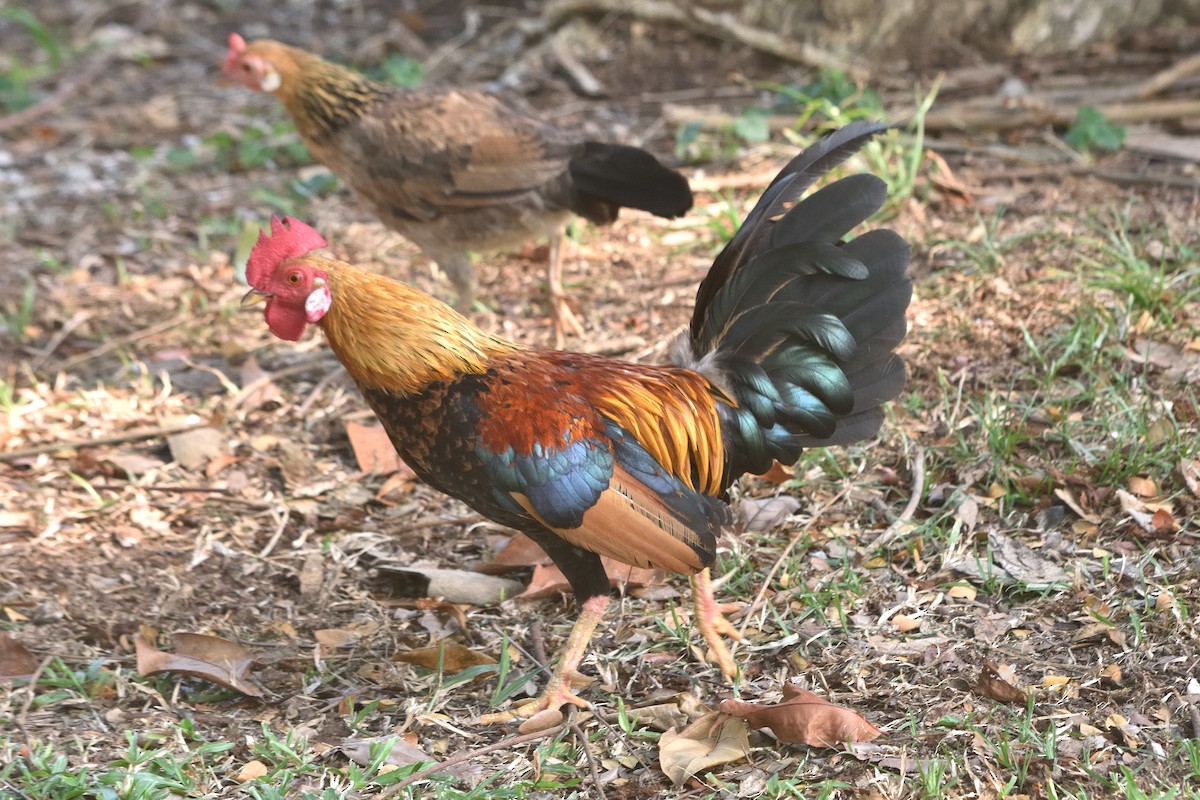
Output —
(713, 625)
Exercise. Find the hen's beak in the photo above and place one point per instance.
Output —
(254, 297)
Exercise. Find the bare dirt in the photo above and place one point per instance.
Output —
(275, 533)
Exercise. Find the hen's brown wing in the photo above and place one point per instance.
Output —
(419, 155)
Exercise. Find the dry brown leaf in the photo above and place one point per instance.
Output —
(519, 551)
(1068, 497)
(397, 485)
(1024, 563)
(968, 512)
(212, 658)
(778, 473)
(991, 685)
(1140, 512)
(962, 591)
(373, 449)
(805, 718)
(758, 514)
(15, 660)
(336, 637)
(452, 656)
(193, 448)
(683, 709)
(904, 623)
(253, 770)
(1163, 522)
(1143, 487)
(547, 579)
(713, 739)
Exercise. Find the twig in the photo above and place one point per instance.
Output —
(116, 487)
(995, 117)
(587, 751)
(60, 96)
(77, 319)
(326, 379)
(274, 540)
(434, 523)
(717, 24)
(31, 694)
(119, 438)
(467, 755)
(537, 643)
(1163, 80)
(113, 344)
(914, 500)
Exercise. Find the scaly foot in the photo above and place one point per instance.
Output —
(712, 624)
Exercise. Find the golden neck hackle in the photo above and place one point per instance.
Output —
(390, 336)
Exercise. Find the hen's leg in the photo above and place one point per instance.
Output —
(460, 272)
(712, 623)
(563, 317)
(543, 712)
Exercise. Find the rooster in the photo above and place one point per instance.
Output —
(791, 345)
(454, 170)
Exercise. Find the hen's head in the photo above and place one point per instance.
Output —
(256, 65)
(296, 291)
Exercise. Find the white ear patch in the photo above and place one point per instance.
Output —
(317, 303)
(270, 80)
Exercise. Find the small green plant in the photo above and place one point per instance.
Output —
(14, 84)
(1091, 132)
(18, 316)
(399, 71)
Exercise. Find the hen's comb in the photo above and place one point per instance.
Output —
(289, 238)
(237, 46)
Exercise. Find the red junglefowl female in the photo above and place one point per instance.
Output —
(790, 346)
(455, 170)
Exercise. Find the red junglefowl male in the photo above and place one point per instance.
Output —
(790, 346)
(454, 170)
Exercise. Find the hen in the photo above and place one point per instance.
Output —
(454, 170)
(790, 346)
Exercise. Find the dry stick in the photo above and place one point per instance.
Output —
(120, 438)
(1162, 80)
(113, 344)
(116, 487)
(467, 755)
(31, 694)
(718, 24)
(971, 116)
(64, 93)
(587, 751)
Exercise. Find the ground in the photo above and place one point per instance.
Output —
(1026, 626)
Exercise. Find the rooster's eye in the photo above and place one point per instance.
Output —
(293, 278)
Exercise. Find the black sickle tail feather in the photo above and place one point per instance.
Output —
(611, 176)
(796, 324)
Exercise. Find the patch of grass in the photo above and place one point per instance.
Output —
(18, 314)
(15, 93)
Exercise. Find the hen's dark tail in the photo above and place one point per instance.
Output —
(797, 325)
(607, 177)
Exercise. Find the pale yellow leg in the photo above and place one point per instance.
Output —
(712, 623)
(543, 712)
(563, 317)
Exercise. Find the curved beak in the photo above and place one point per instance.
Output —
(254, 297)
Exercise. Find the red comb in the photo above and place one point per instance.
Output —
(289, 238)
(237, 46)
